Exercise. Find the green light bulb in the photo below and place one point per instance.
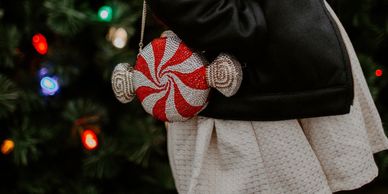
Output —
(105, 13)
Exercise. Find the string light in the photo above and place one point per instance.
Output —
(105, 13)
(49, 85)
(7, 146)
(89, 139)
(379, 73)
(40, 44)
(43, 71)
(118, 37)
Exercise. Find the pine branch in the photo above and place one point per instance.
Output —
(104, 163)
(29, 101)
(77, 109)
(26, 141)
(8, 96)
(9, 41)
(63, 18)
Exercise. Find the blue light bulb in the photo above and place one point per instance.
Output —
(43, 71)
(49, 86)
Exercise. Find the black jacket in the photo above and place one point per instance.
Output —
(296, 63)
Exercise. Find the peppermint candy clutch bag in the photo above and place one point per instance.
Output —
(171, 81)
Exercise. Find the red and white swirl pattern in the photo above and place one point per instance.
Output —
(170, 80)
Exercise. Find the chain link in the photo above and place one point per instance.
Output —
(143, 22)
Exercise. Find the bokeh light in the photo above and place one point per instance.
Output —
(49, 86)
(89, 139)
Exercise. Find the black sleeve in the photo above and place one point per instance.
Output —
(213, 25)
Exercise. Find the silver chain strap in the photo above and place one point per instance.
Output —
(143, 22)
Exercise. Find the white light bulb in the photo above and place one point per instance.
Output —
(119, 43)
(119, 38)
(90, 141)
(104, 14)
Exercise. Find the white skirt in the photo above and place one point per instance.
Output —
(313, 155)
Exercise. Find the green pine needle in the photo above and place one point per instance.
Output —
(26, 140)
(9, 42)
(77, 109)
(63, 18)
(8, 96)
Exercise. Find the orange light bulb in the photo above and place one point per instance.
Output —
(7, 146)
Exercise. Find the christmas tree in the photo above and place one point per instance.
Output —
(61, 128)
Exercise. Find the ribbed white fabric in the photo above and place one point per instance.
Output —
(314, 155)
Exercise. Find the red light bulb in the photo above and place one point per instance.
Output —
(379, 73)
(40, 44)
(89, 139)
